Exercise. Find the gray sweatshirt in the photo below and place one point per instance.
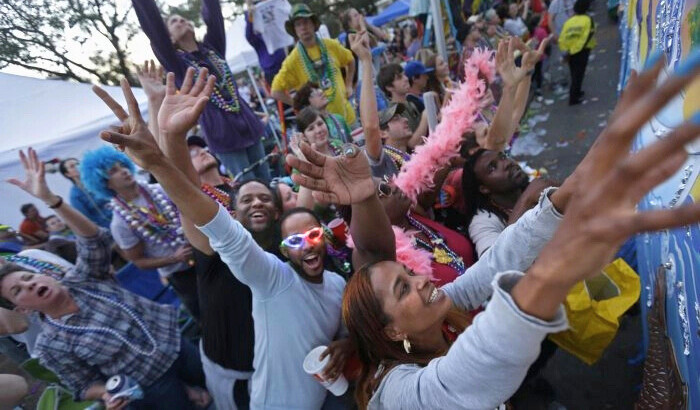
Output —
(292, 316)
(487, 362)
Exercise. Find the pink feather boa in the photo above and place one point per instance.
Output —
(443, 145)
(416, 259)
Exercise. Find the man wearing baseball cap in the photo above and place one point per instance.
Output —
(417, 75)
(318, 61)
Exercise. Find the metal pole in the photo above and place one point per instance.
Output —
(264, 106)
(438, 28)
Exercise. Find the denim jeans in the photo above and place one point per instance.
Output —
(168, 392)
(237, 161)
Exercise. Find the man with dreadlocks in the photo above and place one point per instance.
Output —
(497, 194)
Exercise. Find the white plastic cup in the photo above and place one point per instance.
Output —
(314, 367)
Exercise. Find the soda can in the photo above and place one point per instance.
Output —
(123, 386)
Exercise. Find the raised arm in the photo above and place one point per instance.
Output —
(154, 27)
(216, 32)
(151, 79)
(93, 244)
(176, 117)
(369, 116)
(346, 180)
(501, 126)
(262, 272)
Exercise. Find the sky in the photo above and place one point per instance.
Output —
(139, 47)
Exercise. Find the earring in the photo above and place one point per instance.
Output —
(407, 346)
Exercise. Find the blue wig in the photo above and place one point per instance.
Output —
(94, 170)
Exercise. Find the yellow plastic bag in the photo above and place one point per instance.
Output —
(594, 308)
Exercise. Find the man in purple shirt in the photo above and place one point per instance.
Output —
(231, 128)
(270, 63)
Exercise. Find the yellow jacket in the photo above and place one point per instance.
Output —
(577, 33)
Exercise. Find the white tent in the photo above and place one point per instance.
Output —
(59, 119)
(239, 54)
(62, 119)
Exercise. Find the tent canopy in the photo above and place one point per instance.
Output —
(239, 54)
(396, 10)
(59, 119)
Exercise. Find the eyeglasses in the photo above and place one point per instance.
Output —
(312, 237)
(384, 190)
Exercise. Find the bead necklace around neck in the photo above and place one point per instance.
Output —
(80, 330)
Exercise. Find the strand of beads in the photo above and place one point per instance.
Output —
(329, 72)
(441, 251)
(224, 80)
(398, 156)
(220, 195)
(103, 329)
(158, 224)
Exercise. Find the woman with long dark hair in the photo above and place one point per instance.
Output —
(416, 354)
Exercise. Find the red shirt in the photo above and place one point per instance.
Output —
(460, 245)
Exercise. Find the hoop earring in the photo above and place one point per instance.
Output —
(407, 346)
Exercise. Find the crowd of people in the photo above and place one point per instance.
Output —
(416, 290)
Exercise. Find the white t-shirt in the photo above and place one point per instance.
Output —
(269, 19)
(126, 238)
(515, 26)
(560, 10)
(484, 229)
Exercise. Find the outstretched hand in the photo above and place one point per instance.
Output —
(610, 181)
(151, 79)
(359, 44)
(505, 62)
(345, 179)
(532, 57)
(34, 182)
(133, 137)
(181, 110)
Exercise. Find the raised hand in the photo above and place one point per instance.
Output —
(151, 79)
(34, 182)
(359, 44)
(345, 179)
(505, 62)
(180, 111)
(610, 181)
(531, 57)
(133, 137)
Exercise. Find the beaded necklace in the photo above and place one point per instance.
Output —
(442, 253)
(101, 329)
(157, 223)
(219, 195)
(225, 94)
(339, 130)
(398, 156)
(39, 266)
(327, 79)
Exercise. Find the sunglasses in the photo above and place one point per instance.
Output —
(384, 190)
(312, 237)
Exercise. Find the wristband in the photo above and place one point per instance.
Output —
(57, 204)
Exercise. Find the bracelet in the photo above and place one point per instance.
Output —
(57, 204)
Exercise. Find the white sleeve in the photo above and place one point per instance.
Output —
(484, 366)
(484, 230)
(263, 272)
(515, 249)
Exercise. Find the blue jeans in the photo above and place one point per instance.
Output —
(237, 161)
(168, 392)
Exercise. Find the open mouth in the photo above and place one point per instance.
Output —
(42, 291)
(435, 295)
(312, 261)
(258, 217)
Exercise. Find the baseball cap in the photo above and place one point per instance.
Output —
(196, 140)
(416, 68)
(390, 112)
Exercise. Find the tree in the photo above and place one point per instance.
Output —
(43, 36)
